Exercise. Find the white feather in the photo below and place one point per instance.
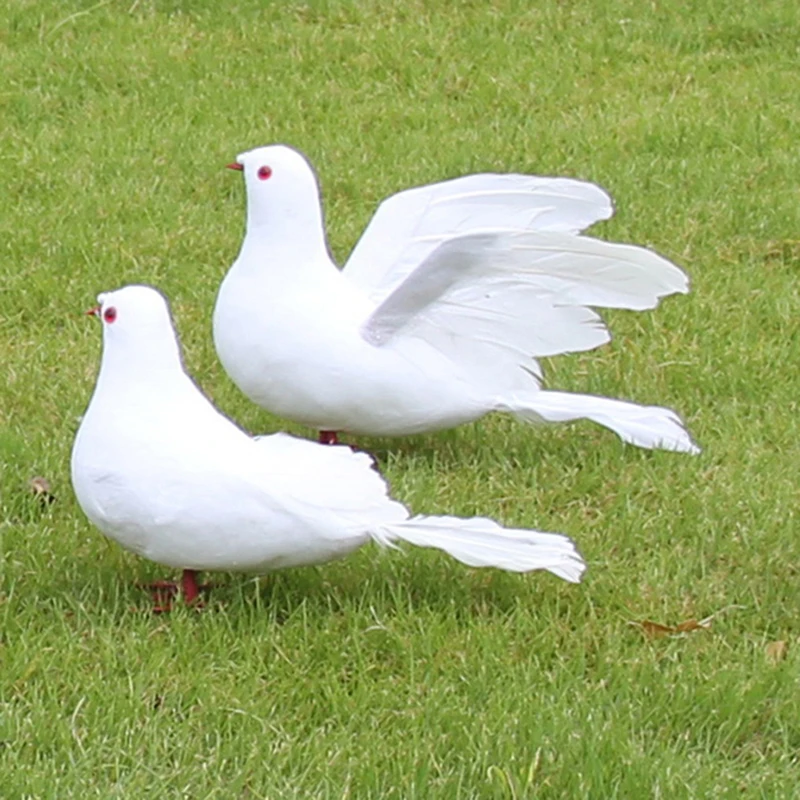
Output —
(452, 294)
(409, 225)
(158, 469)
(644, 426)
(480, 542)
(493, 303)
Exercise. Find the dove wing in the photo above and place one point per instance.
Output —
(496, 301)
(410, 225)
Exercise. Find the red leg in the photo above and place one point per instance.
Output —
(164, 592)
(191, 591)
(328, 437)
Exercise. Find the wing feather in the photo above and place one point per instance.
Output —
(409, 225)
(496, 302)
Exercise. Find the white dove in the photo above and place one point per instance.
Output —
(158, 469)
(443, 307)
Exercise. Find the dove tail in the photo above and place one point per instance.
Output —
(480, 542)
(644, 426)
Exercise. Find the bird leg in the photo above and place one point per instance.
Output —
(332, 437)
(164, 591)
(191, 591)
(328, 437)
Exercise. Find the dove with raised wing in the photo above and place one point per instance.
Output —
(442, 310)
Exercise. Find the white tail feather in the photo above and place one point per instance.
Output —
(480, 542)
(644, 426)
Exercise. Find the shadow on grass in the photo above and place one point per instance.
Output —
(421, 584)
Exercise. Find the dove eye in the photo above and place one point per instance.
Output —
(110, 314)
(264, 173)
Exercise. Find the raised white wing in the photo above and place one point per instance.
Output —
(408, 226)
(491, 302)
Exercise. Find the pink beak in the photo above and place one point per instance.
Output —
(235, 166)
(93, 312)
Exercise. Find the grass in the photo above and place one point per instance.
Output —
(406, 675)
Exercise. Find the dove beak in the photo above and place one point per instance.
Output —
(235, 166)
(93, 312)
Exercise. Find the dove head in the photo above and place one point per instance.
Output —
(283, 200)
(138, 337)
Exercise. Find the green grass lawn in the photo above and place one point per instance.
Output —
(406, 675)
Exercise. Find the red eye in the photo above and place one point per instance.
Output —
(264, 173)
(110, 314)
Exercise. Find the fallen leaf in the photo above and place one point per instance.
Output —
(41, 488)
(694, 625)
(656, 630)
(776, 651)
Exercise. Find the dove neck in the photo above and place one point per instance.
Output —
(297, 231)
(141, 363)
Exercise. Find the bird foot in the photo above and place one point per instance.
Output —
(164, 592)
(328, 437)
(332, 437)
